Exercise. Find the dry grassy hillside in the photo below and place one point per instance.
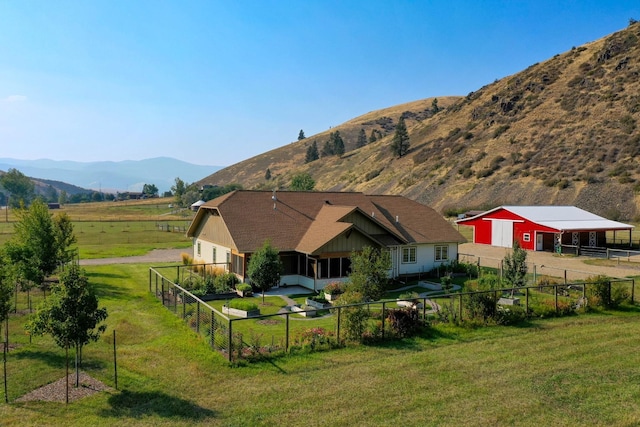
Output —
(564, 131)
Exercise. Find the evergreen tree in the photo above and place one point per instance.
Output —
(372, 137)
(267, 174)
(515, 267)
(434, 106)
(338, 144)
(301, 135)
(327, 149)
(312, 153)
(362, 139)
(400, 143)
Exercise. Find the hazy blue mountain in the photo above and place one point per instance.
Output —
(127, 175)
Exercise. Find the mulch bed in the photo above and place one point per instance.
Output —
(56, 391)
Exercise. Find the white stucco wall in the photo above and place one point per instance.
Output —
(425, 258)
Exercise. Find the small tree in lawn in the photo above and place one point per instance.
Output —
(370, 272)
(515, 267)
(264, 268)
(70, 314)
(6, 291)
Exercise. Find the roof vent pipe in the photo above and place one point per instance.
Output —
(373, 214)
(397, 219)
(273, 196)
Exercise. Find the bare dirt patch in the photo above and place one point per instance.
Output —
(56, 391)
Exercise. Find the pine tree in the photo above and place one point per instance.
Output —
(301, 135)
(434, 106)
(362, 139)
(372, 137)
(267, 174)
(338, 144)
(400, 144)
(327, 149)
(312, 153)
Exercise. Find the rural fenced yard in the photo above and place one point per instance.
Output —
(282, 330)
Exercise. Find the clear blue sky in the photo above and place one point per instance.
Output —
(216, 82)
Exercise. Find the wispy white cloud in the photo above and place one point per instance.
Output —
(14, 98)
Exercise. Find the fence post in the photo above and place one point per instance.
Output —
(565, 277)
(286, 339)
(556, 292)
(338, 331)
(230, 342)
(460, 306)
(633, 288)
(163, 291)
(383, 307)
(197, 316)
(424, 309)
(526, 303)
(212, 330)
(150, 280)
(184, 305)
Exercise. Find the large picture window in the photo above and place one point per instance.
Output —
(409, 255)
(442, 253)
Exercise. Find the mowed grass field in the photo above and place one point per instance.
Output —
(116, 229)
(577, 370)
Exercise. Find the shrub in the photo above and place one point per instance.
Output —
(225, 282)
(353, 320)
(403, 322)
(481, 306)
(511, 315)
(602, 293)
(243, 304)
(318, 298)
(316, 339)
(243, 287)
(334, 288)
(186, 258)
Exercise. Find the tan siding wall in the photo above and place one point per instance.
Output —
(342, 244)
(364, 223)
(214, 230)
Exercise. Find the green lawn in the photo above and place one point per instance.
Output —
(580, 370)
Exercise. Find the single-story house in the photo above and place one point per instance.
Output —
(316, 232)
(542, 228)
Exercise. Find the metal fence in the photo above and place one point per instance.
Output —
(283, 332)
(536, 271)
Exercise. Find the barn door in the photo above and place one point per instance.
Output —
(502, 233)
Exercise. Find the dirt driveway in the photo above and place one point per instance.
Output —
(156, 255)
(546, 262)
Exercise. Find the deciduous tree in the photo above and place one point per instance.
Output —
(150, 190)
(264, 268)
(302, 182)
(515, 267)
(370, 272)
(70, 314)
(20, 187)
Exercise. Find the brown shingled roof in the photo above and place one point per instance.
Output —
(304, 221)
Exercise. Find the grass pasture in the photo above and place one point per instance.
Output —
(578, 370)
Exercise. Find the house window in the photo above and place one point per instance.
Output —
(228, 261)
(442, 253)
(198, 248)
(214, 254)
(409, 255)
(526, 237)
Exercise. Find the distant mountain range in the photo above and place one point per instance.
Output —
(127, 175)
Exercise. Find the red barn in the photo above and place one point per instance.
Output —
(542, 228)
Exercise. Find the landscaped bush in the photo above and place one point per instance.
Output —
(601, 292)
(315, 339)
(511, 315)
(186, 258)
(226, 282)
(481, 306)
(353, 319)
(403, 323)
(243, 287)
(318, 298)
(243, 304)
(334, 288)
